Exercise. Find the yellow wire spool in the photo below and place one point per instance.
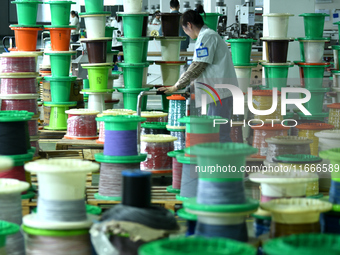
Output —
(263, 100)
(334, 115)
(308, 130)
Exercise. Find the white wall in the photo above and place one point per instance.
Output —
(331, 6)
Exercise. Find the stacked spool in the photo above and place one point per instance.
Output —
(61, 216)
(276, 67)
(311, 64)
(330, 221)
(336, 70)
(223, 215)
(98, 46)
(120, 153)
(19, 87)
(334, 115)
(6, 229)
(170, 50)
(135, 49)
(60, 59)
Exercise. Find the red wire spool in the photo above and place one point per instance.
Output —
(18, 63)
(35, 143)
(81, 124)
(261, 133)
(236, 134)
(15, 84)
(33, 127)
(176, 173)
(16, 172)
(157, 148)
(194, 139)
(27, 102)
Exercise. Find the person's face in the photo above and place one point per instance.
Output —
(189, 31)
(72, 15)
(158, 17)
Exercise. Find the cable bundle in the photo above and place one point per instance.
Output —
(262, 100)
(81, 124)
(280, 145)
(157, 148)
(308, 130)
(261, 133)
(334, 115)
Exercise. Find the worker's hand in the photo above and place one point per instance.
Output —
(168, 90)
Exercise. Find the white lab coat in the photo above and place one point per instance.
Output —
(118, 25)
(75, 22)
(211, 48)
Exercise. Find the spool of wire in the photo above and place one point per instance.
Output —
(328, 139)
(179, 144)
(263, 100)
(43, 241)
(33, 127)
(18, 102)
(263, 132)
(295, 132)
(309, 129)
(35, 143)
(11, 211)
(236, 134)
(6, 229)
(334, 115)
(155, 116)
(177, 110)
(295, 215)
(81, 124)
(18, 63)
(154, 128)
(280, 145)
(110, 180)
(176, 172)
(111, 112)
(157, 148)
(189, 179)
(19, 83)
(334, 192)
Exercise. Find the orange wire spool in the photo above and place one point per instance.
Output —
(263, 100)
(263, 132)
(308, 130)
(334, 115)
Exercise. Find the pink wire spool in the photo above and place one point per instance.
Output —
(35, 143)
(81, 124)
(27, 102)
(18, 83)
(18, 63)
(113, 112)
(33, 127)
(176, 169)
(157, 148)
(16, 172)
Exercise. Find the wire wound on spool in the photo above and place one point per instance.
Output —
(262, 100)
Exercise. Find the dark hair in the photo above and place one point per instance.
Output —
(75, 13)
(194, 17)
(118, 18)
(174, 3)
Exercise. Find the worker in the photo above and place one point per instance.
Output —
(117, 23)
(157, 19)
(75, 22)
(212, 64)
(174, 7)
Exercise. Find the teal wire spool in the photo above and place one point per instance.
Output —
(177, 110)
(197, 246)
(120, 153)
(179, 144)
(224, 215)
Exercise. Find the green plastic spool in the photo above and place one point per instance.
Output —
(315, 104)
(182, 158)
(337, 23)
(58, 117)
(211, 19)
(19, 160)
(133, 74)
(276, 74)
(133, 49)
(298, 159)
(28, 195)
(185, 215)
(173, 154)
(314, 23)
(121, 122)
(60, 88)
(145, 49)
(109, 33)
(100, 157)
(106, 198)
(130, 97)
(15, 115)
(334, 156)
(241, 51)
(98, 75)
(60, 12)
(223, 155)
(55, 233)
(315, 116)
(132, 23)
(313, 75)
(93, 6)
(303, 244)
(90, 209)
(86, 85)
(197, 246)
(201, 124)
(60, 62)
(7, 228)
(155, 125)
(170, 189)
(27, 12)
